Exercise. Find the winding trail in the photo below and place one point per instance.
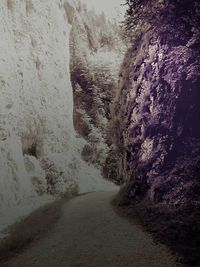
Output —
(91, 234)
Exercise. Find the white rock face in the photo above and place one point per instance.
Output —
(36, 107)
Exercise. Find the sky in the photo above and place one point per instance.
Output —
(111, 8)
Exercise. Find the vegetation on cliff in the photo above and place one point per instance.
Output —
(97, 51)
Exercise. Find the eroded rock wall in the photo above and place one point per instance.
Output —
(39, 152)
(157, 111)
(156, 130)
(36, 95)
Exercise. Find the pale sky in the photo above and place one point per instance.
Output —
(111, 8)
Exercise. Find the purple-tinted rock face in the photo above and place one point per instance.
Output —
(158, 114)
(156, 122)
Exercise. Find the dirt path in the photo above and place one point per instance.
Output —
(91, 234)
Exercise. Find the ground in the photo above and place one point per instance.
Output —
(91, 234)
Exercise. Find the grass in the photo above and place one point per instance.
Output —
(30, 229)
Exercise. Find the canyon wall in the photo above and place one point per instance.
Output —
(156, 123)
(157, 111)
(36, 123)
(39, 151)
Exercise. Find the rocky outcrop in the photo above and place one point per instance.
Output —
(157, 113)
(159, 120)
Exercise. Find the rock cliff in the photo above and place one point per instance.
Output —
(39, 152)
(157, 113)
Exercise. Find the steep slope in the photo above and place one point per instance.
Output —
(34, 83)
(97, 52)
(39, 154)
(156, 121)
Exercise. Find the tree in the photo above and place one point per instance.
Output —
(179, 17)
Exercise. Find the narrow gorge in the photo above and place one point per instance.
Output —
(91, 102)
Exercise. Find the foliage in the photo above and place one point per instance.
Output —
(179, 15)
